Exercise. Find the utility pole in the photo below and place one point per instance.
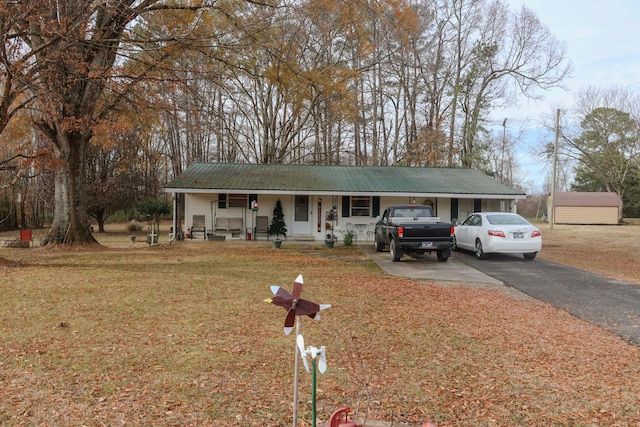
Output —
(504, 142)
(553, 178)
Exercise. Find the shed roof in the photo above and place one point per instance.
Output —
(575, 198)
(314, 179)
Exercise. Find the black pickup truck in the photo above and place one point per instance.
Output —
(413, 229)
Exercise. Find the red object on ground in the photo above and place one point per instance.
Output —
(26, 235)
(336, 417)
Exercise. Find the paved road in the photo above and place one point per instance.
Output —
(608, 303)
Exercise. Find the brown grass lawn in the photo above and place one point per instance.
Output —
(613, 251)
(179, 335)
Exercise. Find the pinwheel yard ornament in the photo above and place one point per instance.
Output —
(295, 305)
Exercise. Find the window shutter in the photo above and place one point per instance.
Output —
(346, 206)
(252, 197)
(222, 201)
(454, 210)
(375, 211)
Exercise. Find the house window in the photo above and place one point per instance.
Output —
(237, 200)
(360, 206)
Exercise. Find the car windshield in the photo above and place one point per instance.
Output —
(502, 219)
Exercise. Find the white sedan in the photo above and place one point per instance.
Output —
(497, 232)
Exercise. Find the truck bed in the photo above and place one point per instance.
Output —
(407, 228)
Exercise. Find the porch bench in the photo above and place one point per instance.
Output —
(232, 226)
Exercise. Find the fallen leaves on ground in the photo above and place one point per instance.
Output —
(180, 335)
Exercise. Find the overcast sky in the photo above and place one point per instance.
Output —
(602, 40)
(603, 43)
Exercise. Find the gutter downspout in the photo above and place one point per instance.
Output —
(213, 215)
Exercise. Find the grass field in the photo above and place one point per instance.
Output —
(613, 251)
(179, 335)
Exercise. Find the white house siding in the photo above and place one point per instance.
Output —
(496, 205)
(443, 208)
(266, 202)
(198, 204)
(207, 205)
(467, 206)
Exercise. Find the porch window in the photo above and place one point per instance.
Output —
(360, 206)
(237, 200)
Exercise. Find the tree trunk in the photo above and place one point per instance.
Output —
(102, 217)
(71, 220)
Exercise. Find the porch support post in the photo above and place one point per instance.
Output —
(174, 212)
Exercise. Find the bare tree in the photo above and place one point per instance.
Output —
(464, 18)
(515, 48)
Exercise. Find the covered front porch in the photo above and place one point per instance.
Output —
(237, 200)
(310, 217)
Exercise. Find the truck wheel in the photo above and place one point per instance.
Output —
(396, 252)
(441, 256)
(529, 256)
(479, 252)
(378, 244)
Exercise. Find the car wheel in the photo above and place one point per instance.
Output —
(441, 257)
(479, 252)
(530, 255)
(455, 244)
(378, 244)
(396, 252)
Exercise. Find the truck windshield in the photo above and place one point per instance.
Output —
(412, 213)
(421, 213)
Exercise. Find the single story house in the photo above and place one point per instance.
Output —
(318, 199)
(586, 208)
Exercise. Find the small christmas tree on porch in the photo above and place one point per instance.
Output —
(277, 225)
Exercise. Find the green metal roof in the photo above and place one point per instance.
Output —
(279, 178)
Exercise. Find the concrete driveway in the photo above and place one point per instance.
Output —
(427, 267)
(607, 303)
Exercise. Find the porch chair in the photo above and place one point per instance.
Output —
(262, 226)
(236, 227)
(197, 226)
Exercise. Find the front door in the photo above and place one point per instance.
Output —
(301, 218)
